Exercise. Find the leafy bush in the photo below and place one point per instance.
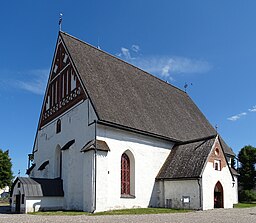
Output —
(247, 196)
(4, 200)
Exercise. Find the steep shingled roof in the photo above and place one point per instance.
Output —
(127, 96)
(187, 160)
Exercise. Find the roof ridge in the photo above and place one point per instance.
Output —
(123, 61)
(198, 139)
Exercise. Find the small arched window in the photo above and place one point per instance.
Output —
(125, 175)
(217, 152)
(58, 126)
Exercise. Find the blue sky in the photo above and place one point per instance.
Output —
(211, 44)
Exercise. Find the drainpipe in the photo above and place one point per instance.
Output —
(200, 192)
(95, 166)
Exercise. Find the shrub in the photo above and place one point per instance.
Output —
(247, 196)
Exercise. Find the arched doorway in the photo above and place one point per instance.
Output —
(218, 195)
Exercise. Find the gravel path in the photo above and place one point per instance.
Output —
(246, 215)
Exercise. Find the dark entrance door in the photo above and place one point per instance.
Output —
(17, 207)
(218, 196)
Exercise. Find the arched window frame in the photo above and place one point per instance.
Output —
(125, 175)
(127, 181)
(58, 126)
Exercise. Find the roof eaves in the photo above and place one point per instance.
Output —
(178, 178)
(198, 140)
(226, 152)
(219, 138)
(216, 137)
(115, 125)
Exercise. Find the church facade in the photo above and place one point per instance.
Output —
(111, 136)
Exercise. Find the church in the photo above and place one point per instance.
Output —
(112, 136)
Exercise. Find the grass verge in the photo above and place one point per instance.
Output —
(244, 205)
(134, 211)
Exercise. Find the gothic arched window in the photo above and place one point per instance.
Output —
(58, 126)
(125, 175)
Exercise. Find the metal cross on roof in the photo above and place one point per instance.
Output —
(60, 20)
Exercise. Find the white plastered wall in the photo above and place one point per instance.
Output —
(149, 155)
(184, 194)
(210, 177)
(75, 124)
(43, 203)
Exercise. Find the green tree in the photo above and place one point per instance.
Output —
(5, 169)
(247, 159)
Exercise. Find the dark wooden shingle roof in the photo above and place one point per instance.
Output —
(38, 187)
(187, 160)
(100, 145)
(127, 96)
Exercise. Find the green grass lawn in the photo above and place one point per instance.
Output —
(133, 211)
(245, 205)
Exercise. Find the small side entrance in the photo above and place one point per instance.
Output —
(218, 196)
(17, 206)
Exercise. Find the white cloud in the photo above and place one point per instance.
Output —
(253, 109)
(126, 53)
(164, 66)
(166, 70)
(135, 48)
(236, 117)
(35, 81)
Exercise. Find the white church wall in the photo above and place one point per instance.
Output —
(181, 194)
(34, 204)
(149, 155)
(210, 177)
(235, 190)
(88, 184)
(74, 125)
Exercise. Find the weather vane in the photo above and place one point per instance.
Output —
(216, 127)
(186, 86)
(60, 20)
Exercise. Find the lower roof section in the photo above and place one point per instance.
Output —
(38, 187)
(186, 161)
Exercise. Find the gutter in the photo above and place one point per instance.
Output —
(175, 179)
(200, 192)
(95, 167)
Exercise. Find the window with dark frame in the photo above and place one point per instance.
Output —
(217, 164)
(58, 126)
(125, 175)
